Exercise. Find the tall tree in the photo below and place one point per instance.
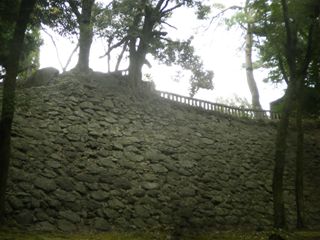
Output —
(245, 18)
(69, 18)
(139, 27)
(301, 82)
(255, 98)
(290, 52)
(84, 19)
(29, 61)
(8, 102)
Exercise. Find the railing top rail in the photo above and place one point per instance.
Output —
(267, 114)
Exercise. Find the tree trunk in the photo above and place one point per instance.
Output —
(280, 154)
(249, 69)
(86, 34)
(120, 57)
(8, 102)
(299, 157)
(135, 67)
(138, 54)
(281, 138)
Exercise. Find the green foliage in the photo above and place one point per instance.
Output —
(271, 30)
(304, 23)
(183, 54)
(58, 15)
(8, 15)
(310, 102)
(235, 101)
(125, 21)
(30, 56)
(203, 11)
(238, 18)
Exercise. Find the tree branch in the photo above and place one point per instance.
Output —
(114, 46)
(167, 40)
(121, 56)
(70, 57)
(290, 53)
(235, 7)
(163, 13)
(282, 69)
(165, 6)
(168, 24)
(54, 44)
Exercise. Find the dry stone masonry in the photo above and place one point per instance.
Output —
(87, 153)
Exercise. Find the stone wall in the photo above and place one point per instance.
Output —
(89, 154)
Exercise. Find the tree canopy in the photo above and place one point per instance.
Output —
(139, 29)
(29, 61)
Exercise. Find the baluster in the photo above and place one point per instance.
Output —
(243, 113)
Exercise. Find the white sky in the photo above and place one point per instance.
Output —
(220, 50)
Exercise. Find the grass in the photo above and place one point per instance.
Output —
(7, 234)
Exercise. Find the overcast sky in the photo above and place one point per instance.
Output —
(221, 50)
